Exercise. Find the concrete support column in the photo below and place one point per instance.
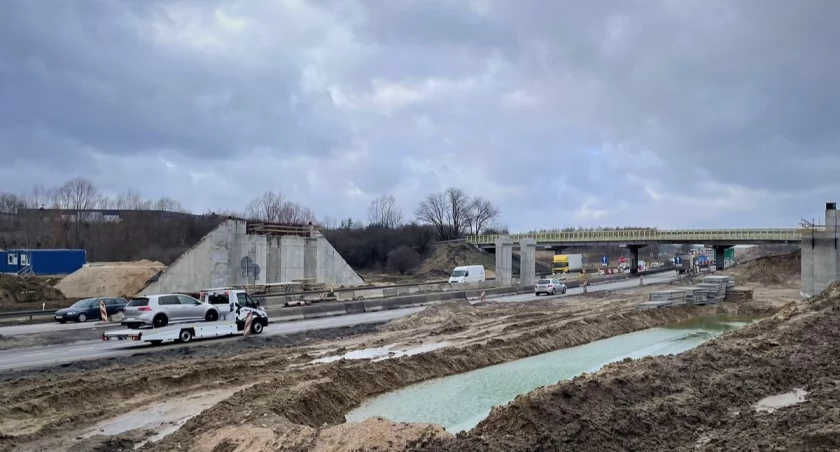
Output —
(720, 256)
(310, 259)
(634, 258)
(504, 261)
(527, 262)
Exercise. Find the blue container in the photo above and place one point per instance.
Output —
(43, 262)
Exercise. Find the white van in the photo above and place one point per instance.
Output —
(467, 273)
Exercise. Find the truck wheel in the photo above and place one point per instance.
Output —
(257, 327)
(185, 336)
(160, 321)
(211, 316)
(155, 342)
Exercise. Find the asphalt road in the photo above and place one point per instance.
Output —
(27, 358)
(34, 357)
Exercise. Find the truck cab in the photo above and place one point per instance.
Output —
(236, 303)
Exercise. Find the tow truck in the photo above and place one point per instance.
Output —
(239, 305)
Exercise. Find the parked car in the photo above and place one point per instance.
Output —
(549, 287)
(160, 310)
(84, 310)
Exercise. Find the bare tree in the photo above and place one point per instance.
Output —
(167, 204)
(131, 200)
(482, 213)
(294, 213)
(448, 211)
(432, 210)
(77, 194)
(10, 203)
(329, 223)
(39, 197)
(383, 211)
(266, 208)
(272, 207)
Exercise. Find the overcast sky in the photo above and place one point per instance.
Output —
(676, 114)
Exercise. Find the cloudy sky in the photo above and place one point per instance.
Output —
(667, 113)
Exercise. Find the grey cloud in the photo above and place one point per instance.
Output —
(741, 93)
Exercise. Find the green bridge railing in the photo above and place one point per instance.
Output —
(648, 235)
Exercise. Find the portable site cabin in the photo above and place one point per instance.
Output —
(42, 261)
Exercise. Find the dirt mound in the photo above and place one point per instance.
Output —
(703, 399)
(770, 270)
(447, 256)
(15, 289)
(449, 315)
(109, 279)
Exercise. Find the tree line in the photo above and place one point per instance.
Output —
(163, 229)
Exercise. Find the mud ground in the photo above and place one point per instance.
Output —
(279, 400)
(704, 399)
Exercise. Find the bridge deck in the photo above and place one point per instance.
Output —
(733, 236)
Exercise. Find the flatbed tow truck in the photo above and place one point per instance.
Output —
(241, 304)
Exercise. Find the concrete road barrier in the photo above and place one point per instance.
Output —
(373, 305)
(323, 310)
(286, 315)
(354, 307)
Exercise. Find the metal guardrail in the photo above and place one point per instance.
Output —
(642, 235)
(30, 314)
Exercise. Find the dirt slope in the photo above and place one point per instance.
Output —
(703, 399)
(18, 293)
(109, 279)
(445, 257)
(780, 269)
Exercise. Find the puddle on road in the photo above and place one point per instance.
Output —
(162, 418)
(461, 401)
(382, 353)
(774, 402)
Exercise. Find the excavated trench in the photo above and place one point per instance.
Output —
(302, 405)
(460, 402)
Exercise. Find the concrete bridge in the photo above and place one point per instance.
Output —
(820, 245)
(634, 240)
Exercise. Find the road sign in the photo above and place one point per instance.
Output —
(622, 260)
(604, 260)
(677, 260)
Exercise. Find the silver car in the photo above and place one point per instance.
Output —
(549, 287)
(161, 310)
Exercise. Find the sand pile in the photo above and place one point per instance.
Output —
(770, 270)
(449, 314)
(15, 289)
(109, 279)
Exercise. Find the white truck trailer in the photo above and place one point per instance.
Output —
(240, 305)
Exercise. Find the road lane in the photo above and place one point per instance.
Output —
(27, 358)
(618, 285)
(33, 357)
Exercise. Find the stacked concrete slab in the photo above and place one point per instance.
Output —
(229, 255)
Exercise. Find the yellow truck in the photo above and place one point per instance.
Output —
(567, 263)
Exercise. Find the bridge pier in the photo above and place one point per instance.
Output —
(821, 253)
(504, 261)
(634, 258)
(720, 256)
(527, 262)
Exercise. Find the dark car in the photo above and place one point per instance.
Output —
(84, 310)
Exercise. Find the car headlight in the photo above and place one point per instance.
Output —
(70, 312)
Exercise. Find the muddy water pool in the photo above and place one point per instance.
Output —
(461, 401)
